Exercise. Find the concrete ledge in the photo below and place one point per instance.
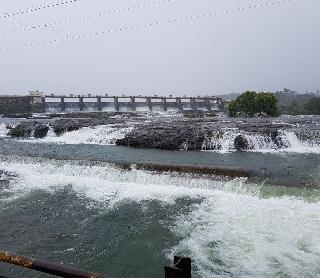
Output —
(233, 172)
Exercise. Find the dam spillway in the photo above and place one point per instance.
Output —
(107, 103)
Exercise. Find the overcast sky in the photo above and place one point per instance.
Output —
(263, 49)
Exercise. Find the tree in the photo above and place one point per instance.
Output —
(251, 103)
(313, 107)
(247, 103)
(233, 108)
(267, 104)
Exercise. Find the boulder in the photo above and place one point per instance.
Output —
(241, 143)
(40, 131)
(62, 126)
(165, 136)
(276, 138)
(21, 130)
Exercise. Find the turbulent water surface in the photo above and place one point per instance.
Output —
(62, 199)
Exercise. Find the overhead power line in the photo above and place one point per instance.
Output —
(21, 25)
(88, 17)
(36, 8)
(147, 25)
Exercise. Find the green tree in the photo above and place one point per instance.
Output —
(247, 103)
(233, 108)
(251, 103)
(267, 104)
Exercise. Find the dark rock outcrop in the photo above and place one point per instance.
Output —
(27, 129)
(165, 137)
(66, 125)
(21, 130)
(40, 131)
(275, 137)
(62, 126)
(241, 143)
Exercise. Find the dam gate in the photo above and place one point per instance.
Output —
(52, 103)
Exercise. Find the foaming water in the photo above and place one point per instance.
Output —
(238, 235)
(294, 144)
(3, 130)
(290, 142)
(223, 143)
(232, 231)
(103, 135)
(103, 182)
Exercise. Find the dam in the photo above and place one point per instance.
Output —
(106, 103)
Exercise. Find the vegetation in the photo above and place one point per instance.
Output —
(10, 105)
(250, 104)
(18, 105)
(292, 103)
(313, 106)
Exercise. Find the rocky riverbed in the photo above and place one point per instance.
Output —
(177, 132)
(215, 133)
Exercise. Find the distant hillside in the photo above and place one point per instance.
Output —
(289, 98)
(293, 103)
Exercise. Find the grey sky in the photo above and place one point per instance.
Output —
(261, 49)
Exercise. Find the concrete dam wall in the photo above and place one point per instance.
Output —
(130, 104)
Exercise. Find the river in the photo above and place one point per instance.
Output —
(65, 200)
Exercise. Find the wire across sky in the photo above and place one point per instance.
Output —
(128, 28)
(36, 8)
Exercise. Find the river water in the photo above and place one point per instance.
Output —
(64, 200)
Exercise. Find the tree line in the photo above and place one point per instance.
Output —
(251, 104)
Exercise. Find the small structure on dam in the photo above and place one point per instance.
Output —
(89, 103)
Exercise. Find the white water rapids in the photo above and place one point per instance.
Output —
(264, 143)
(108, 134)
(3, 130)
(232, 231)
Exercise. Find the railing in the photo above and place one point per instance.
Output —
(180, 269)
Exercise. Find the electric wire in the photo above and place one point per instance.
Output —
(36, 8)
(88, 17)
(147, 25)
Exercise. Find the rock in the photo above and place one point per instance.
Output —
(21, 130)
(193, 114)
(152, 138)
(40, 131)
(241, 143)
(276, 138)
(166, 136)
(199, 114)
(18, 115)
(62, 126)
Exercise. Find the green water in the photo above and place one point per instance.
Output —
(58, 205)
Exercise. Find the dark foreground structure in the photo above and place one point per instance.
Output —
(180, 269)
